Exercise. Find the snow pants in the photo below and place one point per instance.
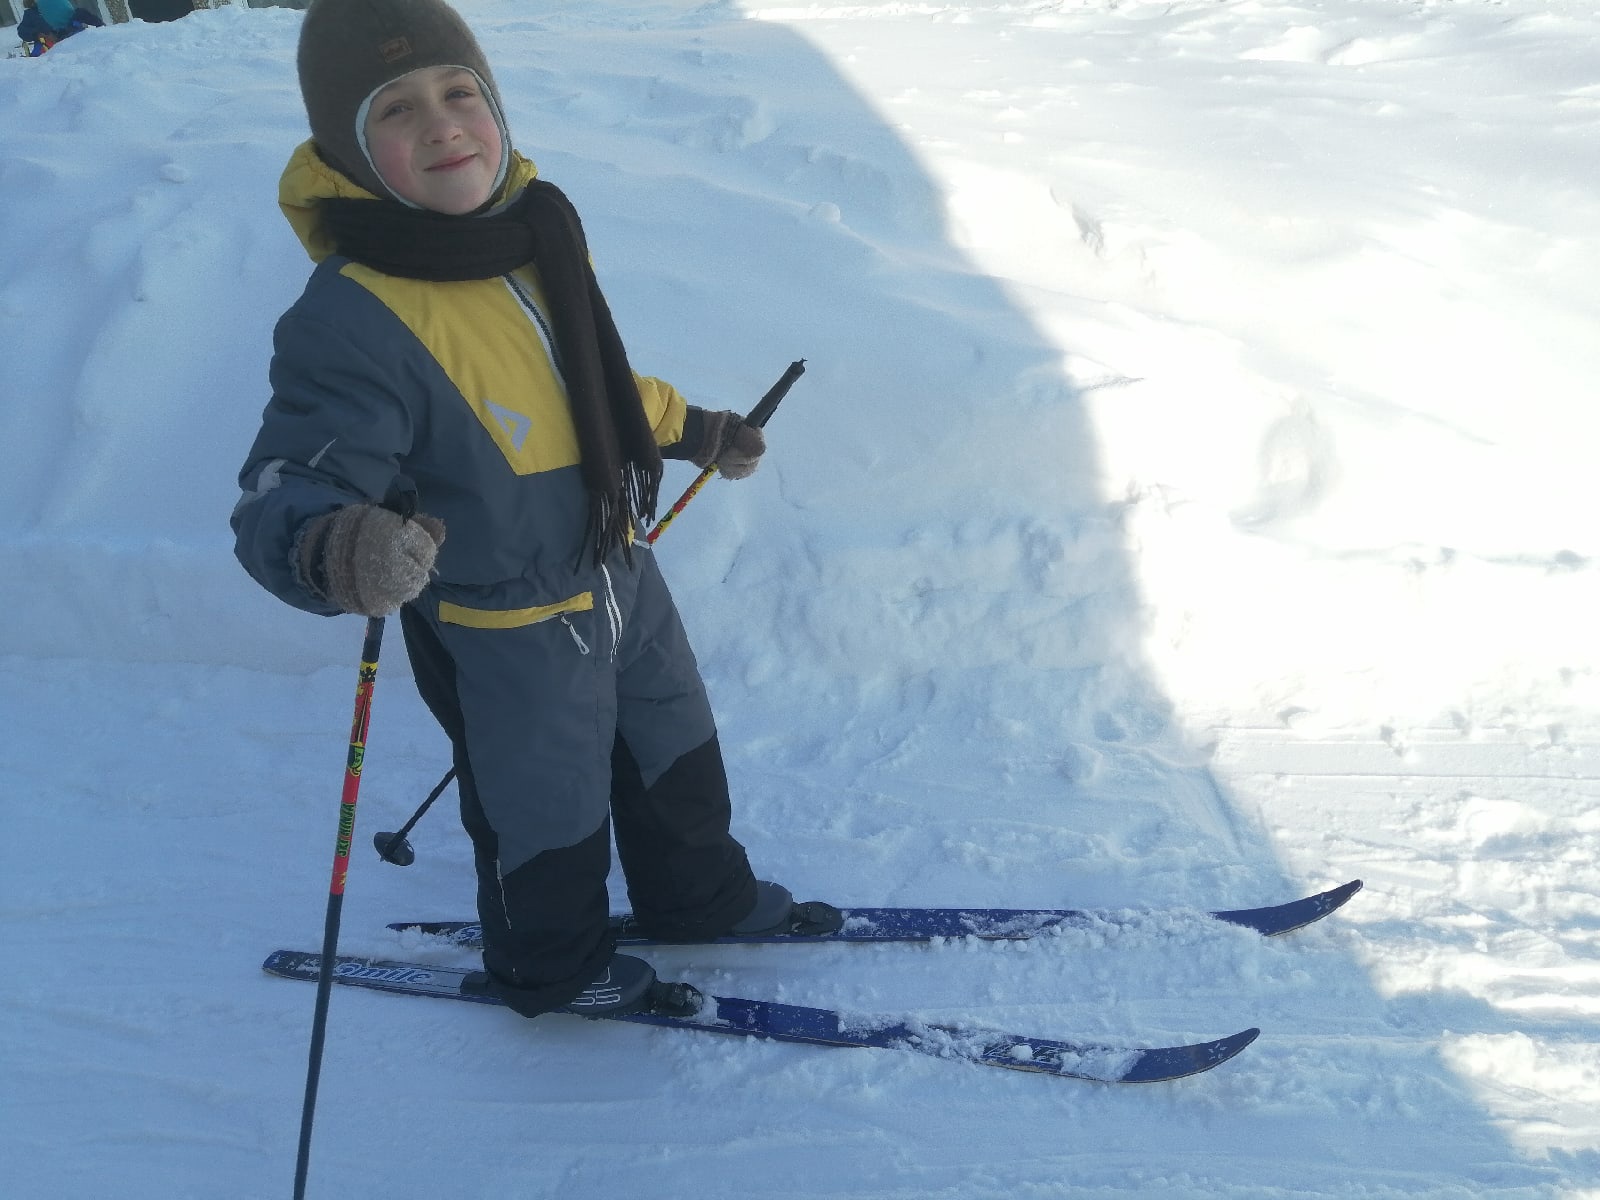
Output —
(566, 729)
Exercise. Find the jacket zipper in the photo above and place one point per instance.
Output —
(546, 334)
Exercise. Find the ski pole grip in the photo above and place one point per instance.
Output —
(401, 498)
(768, 404)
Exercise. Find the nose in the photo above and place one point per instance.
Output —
(441, 127)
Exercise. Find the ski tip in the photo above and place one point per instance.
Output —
(1278, 919)
(1314, 908)
(1338, 897)
(1180, 1062)
(1326, 902)
(1227, 1047)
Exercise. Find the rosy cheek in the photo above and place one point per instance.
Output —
(490, 136)
(389, 158)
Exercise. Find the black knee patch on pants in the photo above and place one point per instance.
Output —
(687, 877)
(546, 933)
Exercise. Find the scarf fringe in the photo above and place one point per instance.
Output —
(613, 525)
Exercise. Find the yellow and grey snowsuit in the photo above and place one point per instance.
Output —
(544, 676)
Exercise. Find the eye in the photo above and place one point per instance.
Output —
(462, 91)
(394, 108)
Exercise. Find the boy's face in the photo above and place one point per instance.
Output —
(434, 140)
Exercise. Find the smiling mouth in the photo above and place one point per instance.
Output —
(451, 164)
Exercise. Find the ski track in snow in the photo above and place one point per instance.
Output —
(1187, 504)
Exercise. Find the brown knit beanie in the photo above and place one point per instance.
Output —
(351, 48)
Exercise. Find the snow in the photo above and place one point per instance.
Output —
(1188, 503)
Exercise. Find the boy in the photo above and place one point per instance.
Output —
(453, 341)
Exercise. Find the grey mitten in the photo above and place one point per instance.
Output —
(741, 445)
(368, 560)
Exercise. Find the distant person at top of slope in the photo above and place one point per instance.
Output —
(46, 22)
(453, 339)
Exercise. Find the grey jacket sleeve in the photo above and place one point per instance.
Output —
(332, 435)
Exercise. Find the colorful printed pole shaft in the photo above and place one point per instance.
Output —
(683, 503)
(354, 761)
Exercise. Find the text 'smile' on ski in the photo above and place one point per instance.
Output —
(816, 922)
(811, 1026)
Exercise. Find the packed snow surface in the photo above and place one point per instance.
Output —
(1189, 503)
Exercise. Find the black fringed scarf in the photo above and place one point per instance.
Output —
(621, 462)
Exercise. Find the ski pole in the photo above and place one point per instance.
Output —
(341, 868)
(758, 417)
(402, 500)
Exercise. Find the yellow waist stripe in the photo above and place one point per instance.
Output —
(511, 618)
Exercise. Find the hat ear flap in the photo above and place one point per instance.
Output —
(492, 95)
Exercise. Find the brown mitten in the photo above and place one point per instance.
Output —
(741, 445)
(368, 560)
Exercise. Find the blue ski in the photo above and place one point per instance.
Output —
(813, 1026)
(817, 922)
